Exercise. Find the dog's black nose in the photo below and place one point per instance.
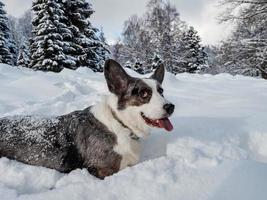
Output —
(169, 108)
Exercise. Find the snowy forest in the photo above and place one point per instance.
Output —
(58, 34)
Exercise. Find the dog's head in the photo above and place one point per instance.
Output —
(139, 100)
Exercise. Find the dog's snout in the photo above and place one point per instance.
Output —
(169, 108)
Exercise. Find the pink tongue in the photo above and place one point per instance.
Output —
(165, 123)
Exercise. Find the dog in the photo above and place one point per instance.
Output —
(103, 138)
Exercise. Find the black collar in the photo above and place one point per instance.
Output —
(132, 135)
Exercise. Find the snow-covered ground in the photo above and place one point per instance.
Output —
(217, 151)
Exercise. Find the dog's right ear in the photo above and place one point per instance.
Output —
(116, 77)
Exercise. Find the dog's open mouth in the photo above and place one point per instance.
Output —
(159, 123)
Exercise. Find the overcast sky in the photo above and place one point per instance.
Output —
(110, 14)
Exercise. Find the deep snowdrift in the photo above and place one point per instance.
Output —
(218, 149)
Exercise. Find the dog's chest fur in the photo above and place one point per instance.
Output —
(128, 144)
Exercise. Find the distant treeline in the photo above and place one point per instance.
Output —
(57, 34)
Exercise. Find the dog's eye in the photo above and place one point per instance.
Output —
(144, 93)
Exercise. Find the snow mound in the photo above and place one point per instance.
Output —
(218, 149)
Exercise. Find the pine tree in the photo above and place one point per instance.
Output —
(192, 54)
(5, 40)
(23, 57)
(86, 49)
(73, 20)
(94, 50)
(47, 43)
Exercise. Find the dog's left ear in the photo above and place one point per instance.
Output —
(159, 74)
(116, 77)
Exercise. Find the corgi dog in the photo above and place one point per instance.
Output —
(103, 138)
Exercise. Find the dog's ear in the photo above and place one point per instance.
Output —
(159, 74)
(116, 77)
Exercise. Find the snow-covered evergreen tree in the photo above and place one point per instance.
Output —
(85, 48)
(73, 19)
(192, 54)
(95, 52)
(47, 52)
(212, 66)
(6, 45)
(23, 57)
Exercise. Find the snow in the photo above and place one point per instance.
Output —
(217, 151)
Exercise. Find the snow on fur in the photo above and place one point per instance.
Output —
(218, 149)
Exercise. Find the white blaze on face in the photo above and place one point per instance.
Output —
(154, 108)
